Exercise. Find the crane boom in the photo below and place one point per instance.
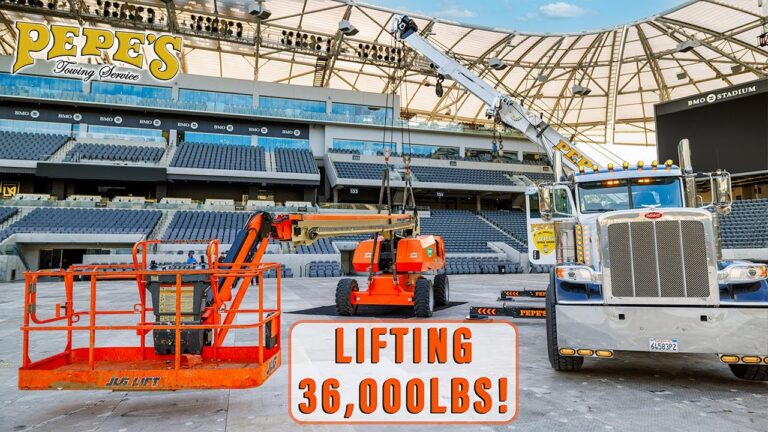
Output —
(501, 107)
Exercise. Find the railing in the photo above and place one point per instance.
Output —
(148, 205)
(293, 114)
(217, 366)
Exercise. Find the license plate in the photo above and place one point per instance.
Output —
(662, 345)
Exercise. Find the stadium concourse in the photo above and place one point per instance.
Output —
(309, 108)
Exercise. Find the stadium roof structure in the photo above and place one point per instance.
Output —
(696, 47)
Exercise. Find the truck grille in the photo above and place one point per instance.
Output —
(655, 259)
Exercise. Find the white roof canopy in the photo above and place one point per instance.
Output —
(628, 68)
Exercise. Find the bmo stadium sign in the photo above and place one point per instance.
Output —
(67, 46)
(722, 95)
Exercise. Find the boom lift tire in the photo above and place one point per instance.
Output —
(559, 362)
(423, 298)
(750, 372)
(442, 289)
(344, 290)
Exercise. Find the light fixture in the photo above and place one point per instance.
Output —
(737, 69)
(347, 28)
(542, 78)
(685, 46)
(496, 64)
(258, 10)
(682, 75)
(580, 90)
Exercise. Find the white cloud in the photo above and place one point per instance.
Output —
(456, 12)
(530, 16)
(562, 10)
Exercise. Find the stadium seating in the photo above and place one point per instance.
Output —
(484, 265)
(295, 161)
(343, 151)
(108, 152)
(463, 231)
(7, 213)
(461, 175)
(29, 146)
(322, 246)
(219, 156)
(535, 177)
(84, 221)
(284, 272)
(204, 225)
(356, 170)
(511, 222)
(747, 225)
(323, 269)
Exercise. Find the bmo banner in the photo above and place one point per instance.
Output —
(727, 128)
(101, 117)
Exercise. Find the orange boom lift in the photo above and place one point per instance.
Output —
(194, 310)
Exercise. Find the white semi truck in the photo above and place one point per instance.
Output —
(635, 255)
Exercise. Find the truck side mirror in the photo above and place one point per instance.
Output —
(546, 201)
(722, 192)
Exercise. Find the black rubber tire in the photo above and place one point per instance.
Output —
(423, 298)
(344, 290)
(442, 289)
(559, 362)
(750, 372)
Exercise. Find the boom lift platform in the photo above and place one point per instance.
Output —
(193, 310)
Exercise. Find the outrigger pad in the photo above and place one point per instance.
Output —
(480, 312)
(511, 294)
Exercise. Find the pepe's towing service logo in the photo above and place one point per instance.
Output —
(67, 45)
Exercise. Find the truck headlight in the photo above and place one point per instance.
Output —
(577, 274)
(740, 273)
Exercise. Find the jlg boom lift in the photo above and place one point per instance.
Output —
(195, 309)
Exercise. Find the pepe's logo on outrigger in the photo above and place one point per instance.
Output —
(160, 53)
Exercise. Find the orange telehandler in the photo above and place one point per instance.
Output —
(195, 308)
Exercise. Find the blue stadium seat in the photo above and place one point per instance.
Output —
(109, 152)
(220, 156)
(84, 221)
(29, 146)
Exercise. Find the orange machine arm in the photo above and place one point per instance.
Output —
(250, 243)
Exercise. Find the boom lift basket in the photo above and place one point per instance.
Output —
(181, 307)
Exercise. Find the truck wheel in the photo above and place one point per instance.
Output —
(344, 290)
(442, 289)
(750, 372)
(423, 298)
(558, 362)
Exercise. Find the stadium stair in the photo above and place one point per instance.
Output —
(162, 224)
(62, 152)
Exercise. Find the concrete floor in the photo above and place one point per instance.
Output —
(629, 393)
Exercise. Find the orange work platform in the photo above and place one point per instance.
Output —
(85, 329)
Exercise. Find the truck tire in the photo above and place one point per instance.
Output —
(750, 372)
(344, 290)
(442, 289)
(423, 298)
(559, 362)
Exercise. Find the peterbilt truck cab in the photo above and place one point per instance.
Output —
(637, 266)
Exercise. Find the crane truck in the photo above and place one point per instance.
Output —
(635, 254)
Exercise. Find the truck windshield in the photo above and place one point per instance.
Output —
(609, 195)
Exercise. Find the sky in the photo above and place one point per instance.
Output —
(540, 16)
